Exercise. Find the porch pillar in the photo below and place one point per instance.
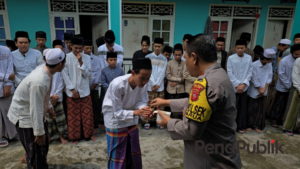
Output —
(115, 18)
(296, 25)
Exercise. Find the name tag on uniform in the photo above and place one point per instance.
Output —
(199, 109)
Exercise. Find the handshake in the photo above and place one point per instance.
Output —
(144, 112)
(147, 112)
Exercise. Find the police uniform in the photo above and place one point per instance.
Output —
(210, 114)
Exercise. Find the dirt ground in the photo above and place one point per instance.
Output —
(158, 151)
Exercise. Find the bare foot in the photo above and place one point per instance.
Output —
(63, 140)
(93, 138)
(101, 126)
(257, 130)
(74, 142)
(249, 129)
(241, 131)
(23, 160)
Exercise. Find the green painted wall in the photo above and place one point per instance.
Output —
(115, 19)
(296, 25)
(30, 16)
(191, 15)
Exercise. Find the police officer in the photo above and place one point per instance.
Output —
(208, 114)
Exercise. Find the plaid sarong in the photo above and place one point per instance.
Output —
(123, 148)
(59, 123)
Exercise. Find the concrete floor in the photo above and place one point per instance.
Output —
(158, 151)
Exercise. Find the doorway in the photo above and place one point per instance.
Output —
(275, 31)
(93, 27)
(242, 25)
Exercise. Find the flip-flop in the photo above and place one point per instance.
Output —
(289, 133)
(147, 126)
(3, 143)
(160, 127)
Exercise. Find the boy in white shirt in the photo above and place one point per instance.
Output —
(258, 89)
(125, 101)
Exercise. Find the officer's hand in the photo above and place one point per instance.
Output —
(164, 119)
(158, 102)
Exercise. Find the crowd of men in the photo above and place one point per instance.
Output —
(69, 90)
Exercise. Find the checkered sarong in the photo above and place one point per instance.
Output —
(59, 123)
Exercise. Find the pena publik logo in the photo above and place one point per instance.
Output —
(271, 147)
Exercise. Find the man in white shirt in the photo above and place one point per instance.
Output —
(111, 46)
(7, 89)
(283, 86)
(56, 98)
(97, 64)
(76, 76)
(239, 70)
(25, 59)
(29, 106)
(258, 89)
(125, 101)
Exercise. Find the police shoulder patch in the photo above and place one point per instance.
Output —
(199, 109)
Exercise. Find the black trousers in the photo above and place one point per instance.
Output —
(36, 155)
(241, 106)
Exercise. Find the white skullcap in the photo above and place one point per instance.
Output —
(45, 52)
(285, 41)
(54, 56)
(270, 53)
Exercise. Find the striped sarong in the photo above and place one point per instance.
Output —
(59, 123)
(292, 111)
(123, 148)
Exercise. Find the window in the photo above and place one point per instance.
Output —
(2, 31)
(161, 28)
(4, 25)
(63, 24)
(222, 28)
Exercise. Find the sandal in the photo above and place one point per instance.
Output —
(274, 124)
(289, 133)
(160, 127)
(147, 126)
(3, 143)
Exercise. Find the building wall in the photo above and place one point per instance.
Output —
(30, 16)
(191, 15)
